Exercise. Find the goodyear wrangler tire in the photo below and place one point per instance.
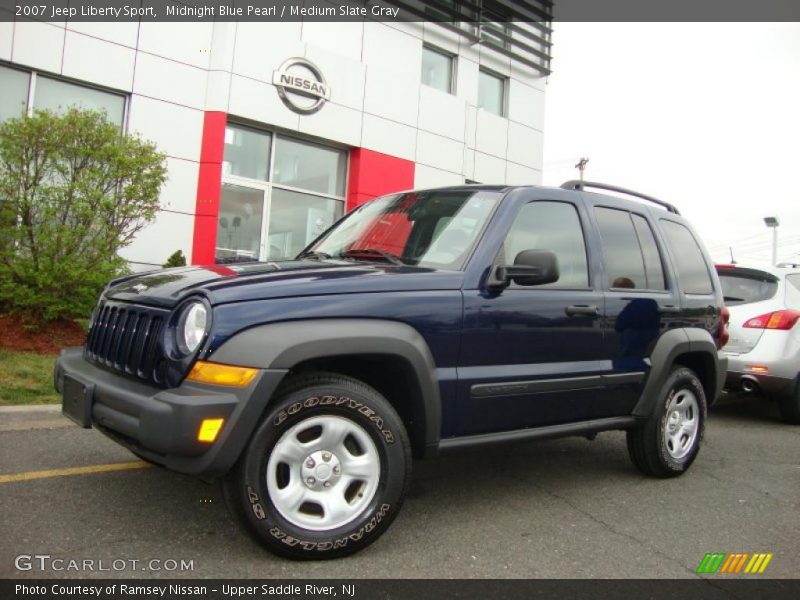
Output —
(325, 472)
(668, 442)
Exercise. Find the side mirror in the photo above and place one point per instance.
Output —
(531, 267)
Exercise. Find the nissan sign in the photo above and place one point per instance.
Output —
(301, 85)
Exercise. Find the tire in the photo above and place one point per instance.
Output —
(668, 442)
(790, 406)
(325, 472)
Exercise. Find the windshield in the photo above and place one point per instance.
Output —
(429, 229)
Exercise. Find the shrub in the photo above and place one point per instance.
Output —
(176, 259)
(74, 190)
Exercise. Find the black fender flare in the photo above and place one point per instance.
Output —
(668, 348)
(283, 345)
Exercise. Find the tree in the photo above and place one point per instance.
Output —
(74, 190)
(176, 259)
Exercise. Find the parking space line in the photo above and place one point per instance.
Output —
(32, 475)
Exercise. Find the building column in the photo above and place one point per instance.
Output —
(209, 186)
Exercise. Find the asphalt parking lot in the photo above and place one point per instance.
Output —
(558, 509)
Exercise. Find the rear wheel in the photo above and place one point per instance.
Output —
(325, 472)
(790, 406)
(668, 442)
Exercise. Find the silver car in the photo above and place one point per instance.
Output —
(764, 347)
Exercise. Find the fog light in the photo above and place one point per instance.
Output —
(209, 430)
(219, 374)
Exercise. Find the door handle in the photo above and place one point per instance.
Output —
(669, 309)
(582, 310)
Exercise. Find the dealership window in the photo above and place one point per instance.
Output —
(278, 194)
(14, 99)
(437, 69)
(492, 92)
(25, 91)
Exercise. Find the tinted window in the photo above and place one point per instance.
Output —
(689, 261)
(624, 261)
(746, 286)
(553, 226)
(793, 292)
(652, 259)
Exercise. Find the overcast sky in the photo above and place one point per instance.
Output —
(706, 116)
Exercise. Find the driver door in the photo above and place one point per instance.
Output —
(530, 356)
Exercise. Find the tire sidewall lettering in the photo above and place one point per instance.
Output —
(342, 402)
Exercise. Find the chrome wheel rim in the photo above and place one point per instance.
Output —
(323, 472)
(681, 423)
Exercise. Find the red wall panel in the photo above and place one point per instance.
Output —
(209, 186)
(373, 174)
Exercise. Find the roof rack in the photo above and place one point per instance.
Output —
(575, 184)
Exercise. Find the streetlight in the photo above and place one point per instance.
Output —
(772, 223)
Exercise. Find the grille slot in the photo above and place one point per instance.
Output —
(127, 338)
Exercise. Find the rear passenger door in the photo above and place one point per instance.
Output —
(640, 300)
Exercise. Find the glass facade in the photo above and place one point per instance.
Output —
(278, 194)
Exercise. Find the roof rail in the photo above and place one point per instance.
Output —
(575, 184)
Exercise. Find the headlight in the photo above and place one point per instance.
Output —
(192, 327)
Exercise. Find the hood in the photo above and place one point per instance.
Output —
(278, 279)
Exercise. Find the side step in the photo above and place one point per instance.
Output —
(537, 433)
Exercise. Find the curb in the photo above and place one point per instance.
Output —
(30, 408)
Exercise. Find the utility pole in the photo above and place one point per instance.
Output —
(772, 223)
(581, 166)
(733, 260)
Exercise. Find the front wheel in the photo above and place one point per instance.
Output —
(667, 443)
(325, 472)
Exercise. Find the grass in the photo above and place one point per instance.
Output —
(26, 378)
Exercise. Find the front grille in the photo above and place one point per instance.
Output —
(127, 338)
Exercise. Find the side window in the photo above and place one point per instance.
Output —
(624, 260)
(689, 261)
(553, 226)
(793, 292)
(653, 266)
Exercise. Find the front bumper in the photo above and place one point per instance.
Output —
(161, 425)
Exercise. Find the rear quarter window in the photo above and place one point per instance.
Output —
(689, 261)
(745, 288)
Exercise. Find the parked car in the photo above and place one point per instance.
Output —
(764, 348)
(422, 322)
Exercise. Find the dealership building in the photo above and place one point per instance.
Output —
(274, 130)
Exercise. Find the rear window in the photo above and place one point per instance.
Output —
(692, 270)
(746, 286)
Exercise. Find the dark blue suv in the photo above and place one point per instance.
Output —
(420, 323)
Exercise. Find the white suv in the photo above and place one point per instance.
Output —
(764, 347)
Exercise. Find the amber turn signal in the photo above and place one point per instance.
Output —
(219, 374)
(209, 430)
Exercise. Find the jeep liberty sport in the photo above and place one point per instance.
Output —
(420, 323)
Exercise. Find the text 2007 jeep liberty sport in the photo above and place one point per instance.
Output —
(421, 322)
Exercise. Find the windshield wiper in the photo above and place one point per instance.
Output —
(373, 252)
(313, 254)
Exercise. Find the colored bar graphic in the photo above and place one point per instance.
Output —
(734, 562)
